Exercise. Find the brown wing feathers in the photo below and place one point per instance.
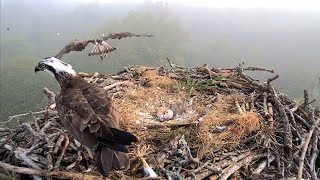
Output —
(88, 115)
(125, 35)
(93, 108)
(75, 45)
(101, 47)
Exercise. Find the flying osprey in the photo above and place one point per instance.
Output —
(101, 47)
(87, 113)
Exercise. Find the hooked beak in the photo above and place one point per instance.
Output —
(36, 69)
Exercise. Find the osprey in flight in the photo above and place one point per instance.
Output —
(101, 47)
(87, 113)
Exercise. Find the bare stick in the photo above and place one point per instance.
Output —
(258, 69)
(20, 115)
(51, 95)
(270, 115)
(57, 164)
(263, 165)
(45, 127)
(117, 84)
(272, 79)
(45, 173)
(171, 65)
(304, 150)
(314, 155)
(35, 121)
(287, 135)
(234, 167)
(302, 120)
(238, 107)
(58, 144)
(248, 69)
(306, 98)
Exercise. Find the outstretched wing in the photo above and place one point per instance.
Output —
(75, 45)
(101, 47)
(121, 35)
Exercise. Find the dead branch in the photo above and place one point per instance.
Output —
(270, 116)
(304, 150)
(55, 174)
(20, 115)
(272, 79)
(263, 165)
(57, 164)
(234, 167)
(238, 107)
(51, 95)
(128, 83)
(57, 146)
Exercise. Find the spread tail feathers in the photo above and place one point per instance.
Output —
(107, 159)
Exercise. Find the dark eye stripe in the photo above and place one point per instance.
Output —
(50, 68)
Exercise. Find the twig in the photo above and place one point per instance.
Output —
(302, 120)
(263, 165)
(270, 116)
(234, 167)
(258, 69)
(117, 84)
(45, 173)
(314, 155)
(303, 106)
(238, 107)
(57, 164)
(51, 95)
(32, 131)
(306, 98)
(35, 121)
(20, 115)
(45, 127)
(58, 144)
(248, 69)
(304, 150)
(171, 65)
(21, 154)
(287, 135)
(272, 79)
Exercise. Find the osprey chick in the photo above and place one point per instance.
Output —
(87, 113)
(101, 47)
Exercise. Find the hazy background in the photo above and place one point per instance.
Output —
(284, 37)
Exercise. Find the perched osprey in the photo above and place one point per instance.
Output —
(87, 113)
(101, 47)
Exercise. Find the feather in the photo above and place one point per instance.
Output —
(87, 113)
(101, 47)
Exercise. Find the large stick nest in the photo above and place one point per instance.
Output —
(225, 124)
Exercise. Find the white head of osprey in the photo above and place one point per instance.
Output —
(55, 66)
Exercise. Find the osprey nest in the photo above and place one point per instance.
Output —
(192, 123)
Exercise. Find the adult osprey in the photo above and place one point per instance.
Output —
(87, 113)
(101, 47)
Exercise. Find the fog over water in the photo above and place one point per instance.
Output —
(284, 39)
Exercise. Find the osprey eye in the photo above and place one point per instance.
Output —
(43, 65)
